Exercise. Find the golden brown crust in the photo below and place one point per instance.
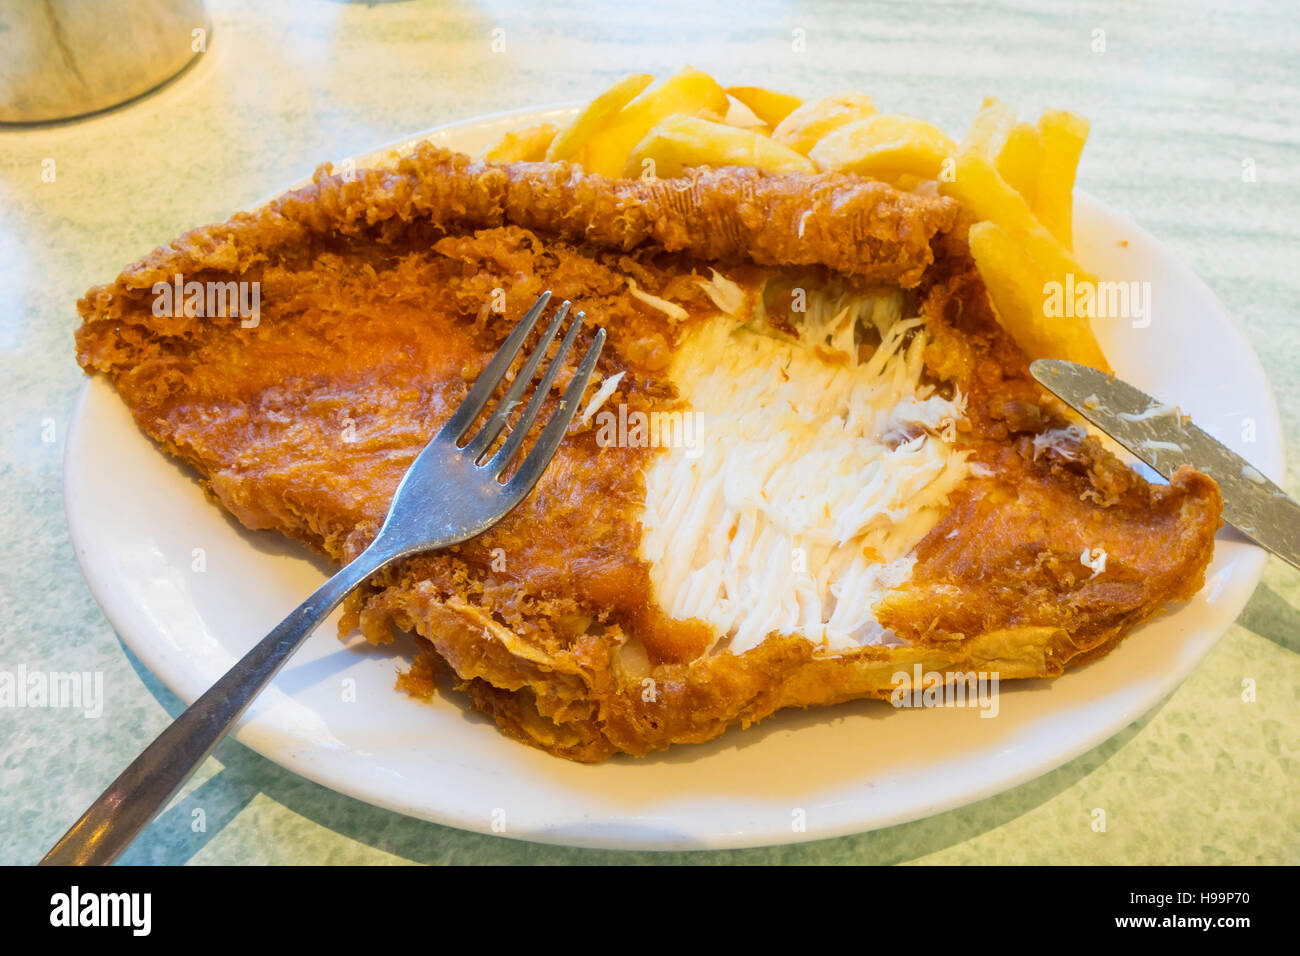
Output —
(374, 320)
(854, 225)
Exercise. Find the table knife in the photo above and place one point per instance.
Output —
(1165, 439)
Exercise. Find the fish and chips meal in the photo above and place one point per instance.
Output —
(812, 457)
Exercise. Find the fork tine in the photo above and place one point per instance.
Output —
(491, 376)
(501, 414)
(541, 454)
(517, 434)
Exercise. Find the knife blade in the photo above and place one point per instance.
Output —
(1165, 439)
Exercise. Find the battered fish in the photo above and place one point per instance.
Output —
(377, 311)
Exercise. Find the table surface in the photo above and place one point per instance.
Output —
(1185, 103)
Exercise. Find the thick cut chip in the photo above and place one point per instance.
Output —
(885, 146)
(992, 123)
(595, 115)
(977, 185)
(768, 105)
(1063, 135)
(1021, 289)
(527, 145)
(680, 142)
(804, 127)
(1018, 160)
(986, 194)
(689, 91)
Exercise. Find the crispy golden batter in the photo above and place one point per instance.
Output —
(854, 225)
(375, 318)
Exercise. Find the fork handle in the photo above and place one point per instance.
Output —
(152, 779)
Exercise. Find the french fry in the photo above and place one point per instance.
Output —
(1019, 159)
(1018, 288)
(596, 115)
(1063, 135)
(977, 185)
(768, 105)
(742, 117)
(688, 91)
(803, 127)
(1017, 256)
(883, 146)
(527, 145)
(679, 142)
(992, 123)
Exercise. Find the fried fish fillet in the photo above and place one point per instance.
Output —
(376, 315)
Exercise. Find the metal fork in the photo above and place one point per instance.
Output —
(450, 494)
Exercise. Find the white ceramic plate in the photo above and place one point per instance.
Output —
(136, 519)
